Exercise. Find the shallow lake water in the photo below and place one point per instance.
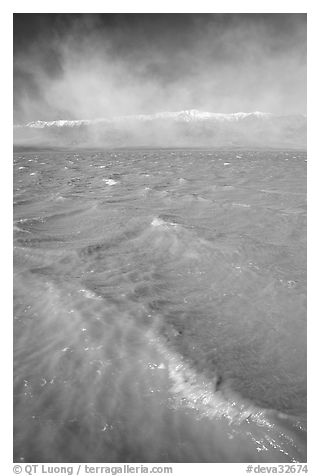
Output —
(160, 306)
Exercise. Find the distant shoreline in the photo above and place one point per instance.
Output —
(44, 148)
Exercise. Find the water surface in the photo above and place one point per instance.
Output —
(160, 306)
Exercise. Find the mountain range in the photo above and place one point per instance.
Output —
(189, 128)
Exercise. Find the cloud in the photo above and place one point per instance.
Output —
(88, 66)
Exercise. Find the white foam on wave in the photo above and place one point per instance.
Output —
(158, 222)
(17, 228)
(192, 389)
(208, 397)
(177, 240)
(195, 391)
(268, 429)
(109, 182)
(89, 294)
(243, 205)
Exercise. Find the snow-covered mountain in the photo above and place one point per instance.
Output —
(184, 116)
(189, 128)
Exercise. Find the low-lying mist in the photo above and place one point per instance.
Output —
(176, 131)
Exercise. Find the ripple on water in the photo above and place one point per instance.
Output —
(159, 310)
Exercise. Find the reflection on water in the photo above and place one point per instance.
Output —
(160, 306)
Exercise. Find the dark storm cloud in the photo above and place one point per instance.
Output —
(85, 66)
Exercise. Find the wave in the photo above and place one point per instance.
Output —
(162, 302)
(212, 398)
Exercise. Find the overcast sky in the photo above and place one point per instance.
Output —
(91, 66)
